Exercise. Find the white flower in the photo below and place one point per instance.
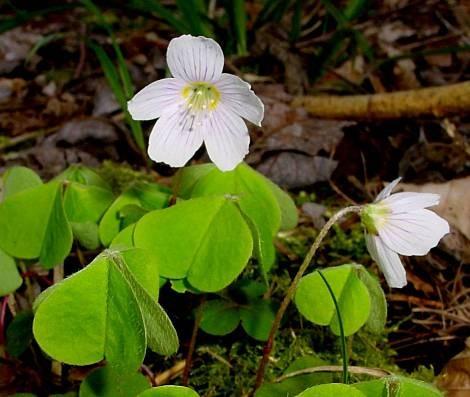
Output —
(199, 104)
(400, 224)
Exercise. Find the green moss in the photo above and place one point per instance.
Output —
(121, 176)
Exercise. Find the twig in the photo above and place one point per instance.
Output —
(192, 344)
(375, 372)
(173, 372)
(435, 101)
(291, 290)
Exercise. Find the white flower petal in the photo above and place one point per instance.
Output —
(237, 95)
(226, 138)
(387, 190)
(409, 201)
(175, 138)
(388, 261)
(194, 59)
(155, 99)
(413, 233)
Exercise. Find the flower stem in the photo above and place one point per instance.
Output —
(344, 352)
(291, 290)
(192, 343)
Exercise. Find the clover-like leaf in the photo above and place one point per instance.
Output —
(257, 318)
(205, 240)
(378, 307)
(255, 198)
(315, 303)
(148, 196)
(33, 225)
(103, 311)
(221, 317)
(331, 389)
(111, 382)
(16, 179)
(87, 196)
(19, 333)
(397, 386)
(169, 391)
(11, 279)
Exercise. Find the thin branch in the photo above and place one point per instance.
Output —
(291, 290)
(375, 372)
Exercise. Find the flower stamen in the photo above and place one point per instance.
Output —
(201, 96)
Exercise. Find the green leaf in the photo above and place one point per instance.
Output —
(109, 382)
(20, 333)
(257, 319)
(149, 196)
(33, 225)
(378, 307)
(255, 199)
(186, 178)
(125, 238)
(219, 317)
(17, 179)
(86, 203)
(11, 279)
(296, 384)
(205, 240)
(90, 316)
(331, 389)
(397, 386)
(239, 21)
(314, 301)
(83, 175)
(169, 391)
(161, 335)
(103, 311)
(130, 214)
(86, 234)
(289, 214)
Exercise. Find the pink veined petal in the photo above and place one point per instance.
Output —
(387, 190)
(238, 97)
(388, 261)
(175, 138)
(194, 59)
(155, 99)
(226, 138)
(409, 201)
(413, 233)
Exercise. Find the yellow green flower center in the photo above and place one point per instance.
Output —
(201, 96)
(374, 216)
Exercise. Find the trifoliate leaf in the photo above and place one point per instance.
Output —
(11, 279)
(18, 179)
(255, 198)
(378, 307)
(315, 303)
(149, 196)
(219, 317)
(103, 312)
(205, 240)
(33, 225)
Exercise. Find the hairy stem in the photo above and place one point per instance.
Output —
(293, 286)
